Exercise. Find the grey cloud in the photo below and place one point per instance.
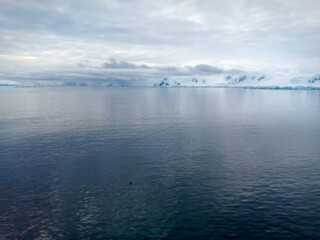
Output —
(114, 64)
(83, 64)
(144, 66)
(163, 37)
(115, 70)
(168, 69)
(205, 68)
(201, 69)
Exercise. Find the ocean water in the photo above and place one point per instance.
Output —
(204, 163)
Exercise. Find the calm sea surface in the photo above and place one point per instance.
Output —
(204, 163)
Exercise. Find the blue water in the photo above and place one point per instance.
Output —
(204, 163)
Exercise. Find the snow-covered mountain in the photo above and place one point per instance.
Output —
(245, 80)
(16, 84)
(181, 82)
(315, 79)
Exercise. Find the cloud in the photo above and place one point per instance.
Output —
(205, 68)
(115, 70)
(160, 71)
(153, 38)
(144, 66)
(112, 63)
(171, 69)
(83, 64)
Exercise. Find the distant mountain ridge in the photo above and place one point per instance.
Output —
(9, 83)
(247, 80)
(241, 80)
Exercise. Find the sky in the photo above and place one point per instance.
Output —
(101, 40)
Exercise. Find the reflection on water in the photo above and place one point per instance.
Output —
(204, 163)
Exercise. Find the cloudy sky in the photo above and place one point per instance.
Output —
(106, 39)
